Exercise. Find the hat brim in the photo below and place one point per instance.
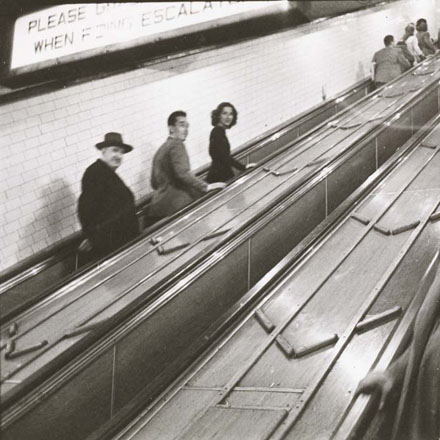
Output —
(127, 148)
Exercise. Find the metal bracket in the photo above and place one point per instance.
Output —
(279, 173)
(376, 320)
(405, 228)
(155, 240)
(13, 329)
(390, 95)
(292, 352)
(215, 234)
(315, 347)
(268, 170)
(434, 217)
(83, 329)
(425, 145)
(427, 72)
(381, 229)
(360, 219)
(283, 173)
(345, 127)
(263, 319)
(161, 250)
(10, 348)
(12, 354)
(285, 346)
(316, 162)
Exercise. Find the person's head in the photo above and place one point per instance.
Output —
(422, 25)
(388, 40)
(410, 29)
(113, 149)
(225, 115)
(112, 156)
(178, 125)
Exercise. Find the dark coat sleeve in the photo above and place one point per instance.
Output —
(220, 151)
(89, 202)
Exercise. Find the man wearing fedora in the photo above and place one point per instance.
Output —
(106, 206)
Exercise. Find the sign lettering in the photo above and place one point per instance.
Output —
(70, 29)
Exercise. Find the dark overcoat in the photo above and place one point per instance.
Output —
(106, 209)
(173, 183)
(222, 161)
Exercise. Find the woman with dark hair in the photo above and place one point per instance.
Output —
(223, 118)
(424, 39)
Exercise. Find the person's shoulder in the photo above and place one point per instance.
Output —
(94, 173)
(94, 168)
(380, 53)
(218, 132)
(218, 129)
(174, 144)
(176, 148)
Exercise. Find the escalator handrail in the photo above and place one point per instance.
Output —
(38, 262)
(191, 206)
(274, 277)
(127, 317)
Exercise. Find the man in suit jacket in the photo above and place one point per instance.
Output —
(389, 62)
(106, 206)
(174, 185)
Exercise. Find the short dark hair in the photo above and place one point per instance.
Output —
(215, 114)
(422, 25)
(388, 40)
(172, 118)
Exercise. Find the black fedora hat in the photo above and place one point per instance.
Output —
(114, 140)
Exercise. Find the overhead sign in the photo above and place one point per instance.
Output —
(75, 28)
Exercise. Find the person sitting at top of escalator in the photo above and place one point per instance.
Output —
(414, 378)
(106, 207)
(171, 179)
(424, 39)
(388, 63)
(223, 118)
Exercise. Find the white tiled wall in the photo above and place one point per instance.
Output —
(47, 141)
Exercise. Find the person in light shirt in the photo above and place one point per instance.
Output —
(412, 43)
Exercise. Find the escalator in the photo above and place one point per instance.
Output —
(34, 278)
(110, 335)
(342, 305)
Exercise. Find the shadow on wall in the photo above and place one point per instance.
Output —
(360, 72)
(51, 223)
(141, 185)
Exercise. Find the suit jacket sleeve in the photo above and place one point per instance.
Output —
(88, 206)
(404, 63)
(182, 173)
(219, 150)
